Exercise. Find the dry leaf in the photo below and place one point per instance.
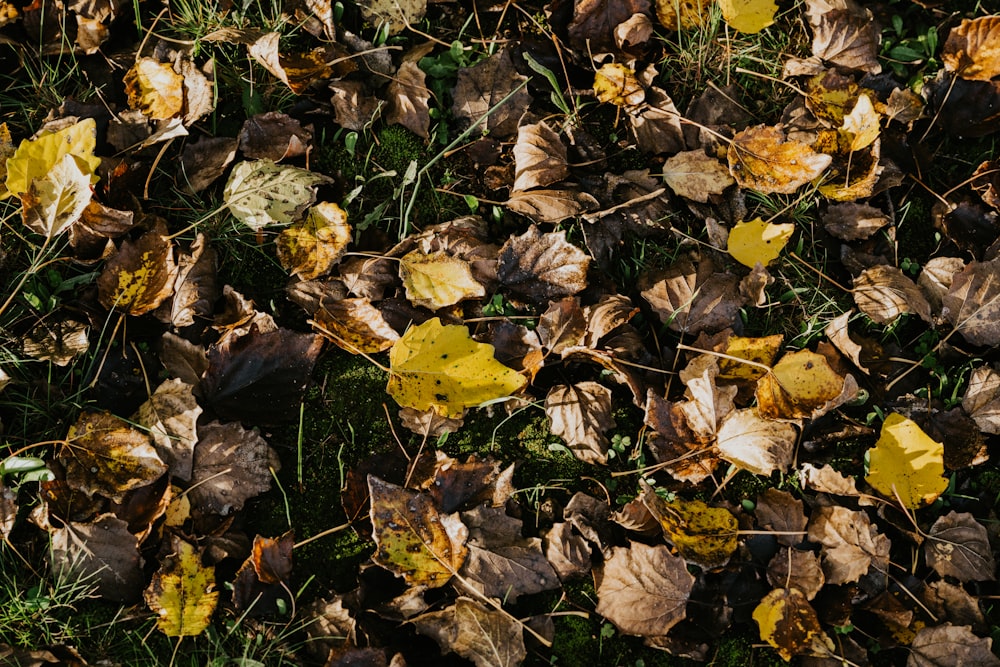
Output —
(707, 404)
(205, 160)
(274, 136)
(484, 86)
(828, 480)
(656, 124)
(674, 445)
(849, 39)
(782, 513)
(412, 538)
(103, 552)
(539, 157)
(643, 589)
(141, 275)
(567, 552)
(486, 637)
(594, 23)
(758, 242)
(694, 175)
(838, 334)
(155, 89)
(761, 446)
(972, 49)
(972, 304)
(906, 465)
(748, 16)
(862, 123)
(580, 414)
(437, 280)
(551, 205)
(542, 267)
(440, 367)
(802, 384)
(231, 465)
(616, 83)
(562, 325)
(261, 193)
(947, 644)
(311, 248)
(851, 544)
(958, 546)
(982, 399)
(297, 71)
(762, 158)
(408, 100)
(705, 536)
(796, 569)
(58, 341)
(693, 299)
(53, 203)
(181, 593)
(789, 623)
(355, 325)
(397, 14)
(883, 293)
(853, 221)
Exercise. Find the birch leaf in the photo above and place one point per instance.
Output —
(261, 193)
(906, 464)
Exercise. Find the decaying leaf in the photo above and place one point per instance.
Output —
(487, 637)
(539, 157)
(408, 100)
(949, 644)
(59, 342)
(355, 325)
(298, 71)
(155, 89)
(762, 351)
(672, 443)
(982, 399)
(397, 14)
(312, 247)
(643, 589)
(906, 465)
(763, 159)
(703, 535)
(789, 623)
(852, 546)
(802, 384)
(792, 568)
(486, 85)
(104, 455)
(413, 539)
(274, 136)
(551, 205)
(883, 293)
(103, 553)
(958, 546)
(581, 414)
(141, 275)
(34, 158)
(616, 83)
(692, 299)
(439, 367)
(848, 38)
(972, 304)
(694, 175)
(677, 14)
(972, 49)
(171, 415)
(748, 16)
(759, 445)
(784, 514)
(231, 465)
(758, 242)
(181, 593)
(261, 193)
(542, 267)
(437, 280)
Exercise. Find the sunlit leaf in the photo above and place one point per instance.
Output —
(761, 446)
(972, 49)
(616, 83)
(748, 16)
(181, 593)
(55, 202)
(906, 464)
(312, 247)
(677, 14)
(261, 193)
(852, 546)
(141, 274)
(802, 384)
(694, 175)
(437, 280)
(763, 159)
(155, 89)
(703, 535)
(34, 158)
(758, 241)
(789, 623)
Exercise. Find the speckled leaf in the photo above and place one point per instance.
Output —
(958, 546)
(437, 280)
(762, 158)
(141, 275)
(181, 592)
(789, 623)
(231, 465)
(311, 248)
(703, 535)
(261, 193)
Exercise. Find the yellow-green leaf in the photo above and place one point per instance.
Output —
(703, 535)
(439, 367)
(312, 247)
(155, 89)
(906, 464)
(748, 16)
(758, 241)
(53, 203)
(261, 193)
(34, 158)
(181, 593)
(437, 280)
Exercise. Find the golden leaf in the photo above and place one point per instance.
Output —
(906, 464)
(34, 158)
(762, 350)
(155, 89)
(439, 367)
(677, 14)
(617, 84)
(762, 159)
(862, 123)
(802, 384)
(748, 16)
(437, 280)
(57, 200)
(758, 241)
(703, 535)
(789, 623)
(312, 247)
(181, 593)
(141, 275)
(972, 50)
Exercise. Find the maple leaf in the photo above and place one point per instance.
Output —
(439, 367)
(181, 592)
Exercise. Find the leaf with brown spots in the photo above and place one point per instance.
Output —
(486, 637)
(972, 49)
(141, 275)
(789, 623)
(763, 159)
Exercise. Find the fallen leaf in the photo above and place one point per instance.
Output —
(905, 464)
(34, 158)
(674, 14)
(761, 446)
(828, 480)
(643, 589)
(780, 512)
(594, 22)
(171, 415)
(155, 89)
(852, 546)
(838, 334)
(964, 108)
(440, 367)
(692, 299)
(539, 157)
(354, 106)
(952, 603)
(298, 71)
(948, 644)
(485, 85)
(231, 465)
(748, 16)
(181, 593)
(972, 304)
(674, 445)
(141, 275)
(762, 158)
(761, 351)
(53, 203)
(265, 576)
(274, 136)
(261, 193)
(789, 623)
(695, 176)
(414, 540)
(562, 325)
(802, 384)
(801, 570)
(196, 287)
(708, 404)
(703, 535)
(435, 281)
(486, 637)
(958, 546)
(567, 552)
(971, 49)
(551, 205)
(757, 241)
(59, 341)
(203, 161)
(104, 455)
(852, 221)
(862, 123)
(542, 267)
(982, 399)
(355, 325)
(656, 124)
(260, 377)
(616, 84)
(311, 248)
(103, 553)
(883, 293)
(398, 15)
(408, 97)
(580, 414)
(461, 485)
(849, 38)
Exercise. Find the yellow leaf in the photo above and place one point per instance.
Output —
(748, 16)
(763, 159)
(759, 350)
(53, 203)
(439, 367)
(437, 280)
(155, 89)
(862, 123)
(311, 248)
(34, 158)
(802, 384)
(677, 14)
(141, 275)
(758, 241)
(617, 84)
(181, 593)
(703, 535)
(906, 464)
(789, 623)
(6, 151)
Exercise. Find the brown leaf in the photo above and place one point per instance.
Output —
(568, 552)
(297, 71)
(171, 415)
(58, 341)
(694, 175)
(196, 288)
(883, 293)
(852, 546)
(89, 236)
(672, 443)
(964, 108)
(693, 299)
(368, 277)
(274, 136)
(485, 85)
(594, 22)
(982, 399)
(501, 564)
(539, 157)
(761, 446)
(789, 623)
(784, 514)
(708, 404)
(542, 267)
(947, 645)
(182, 359)
(260, 377)
(102, 553)
(551, 205)
(488, 638)
(761, 158)
(604, 317)
(838, 334)
(104, 455)
(266, 574)
(580, 414)
(413, 539)
(848, 38)
(972, 305)
(355, 325)
(936, 277)
(958, 546)
(791, 568)
(354, 107)
(656, 124)
(972, 50)
(643, 589)
(986, 181)
(205, 160)
(231, 465)
(852, 221)
(828, 480)
(952, 603)
(141, 275)
(408, 97)
(455, 485)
